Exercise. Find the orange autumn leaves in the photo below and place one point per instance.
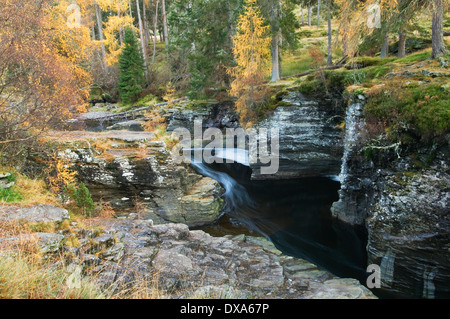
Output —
(44, 77)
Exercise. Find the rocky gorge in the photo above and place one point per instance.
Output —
(403, 209)
(160, 206)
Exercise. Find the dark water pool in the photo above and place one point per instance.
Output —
(294, 214)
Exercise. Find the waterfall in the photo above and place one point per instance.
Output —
(349, 208)
(354, 123)
(236, 196)
(387, 268)
(428, 285)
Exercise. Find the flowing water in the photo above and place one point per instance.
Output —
(294, 214)
(294, 211)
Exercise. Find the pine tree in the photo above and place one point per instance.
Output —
(201, 38)
(131, 64)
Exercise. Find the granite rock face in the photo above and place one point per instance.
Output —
(409, 232)
(143, 170)
(404, 207)
(356, 173)
(310, 144)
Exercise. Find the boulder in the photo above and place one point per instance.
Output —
(4, 181)
(202, 205)
(34, 214)
(134, 126)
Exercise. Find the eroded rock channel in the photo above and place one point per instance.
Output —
(328, 204)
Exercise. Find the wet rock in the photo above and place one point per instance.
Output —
(409, 234)
(310, 144)
(352, 206)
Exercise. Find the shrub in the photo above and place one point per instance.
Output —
(82, 198)
(10, 195)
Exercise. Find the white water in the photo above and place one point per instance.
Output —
(236, 196)
(354, 123)
(236, 155)
(231, 155)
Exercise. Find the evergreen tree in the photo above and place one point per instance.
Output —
(201, 40)
(131, 64)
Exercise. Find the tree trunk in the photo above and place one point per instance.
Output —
(165, 28)
(93, 33)
(155, 27)
(438, 30)
(144, 18)
(121, 30)
(345, 41)
(309, 15)
(280, 64)
(275, 59)
(303, 17)
(98, 15)
(318, 13)
(330, 38)
(401, 43)
(141, 31)
(385, 48)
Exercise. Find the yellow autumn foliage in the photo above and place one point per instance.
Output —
(252, 55)
(115, 26)
(356, 17)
